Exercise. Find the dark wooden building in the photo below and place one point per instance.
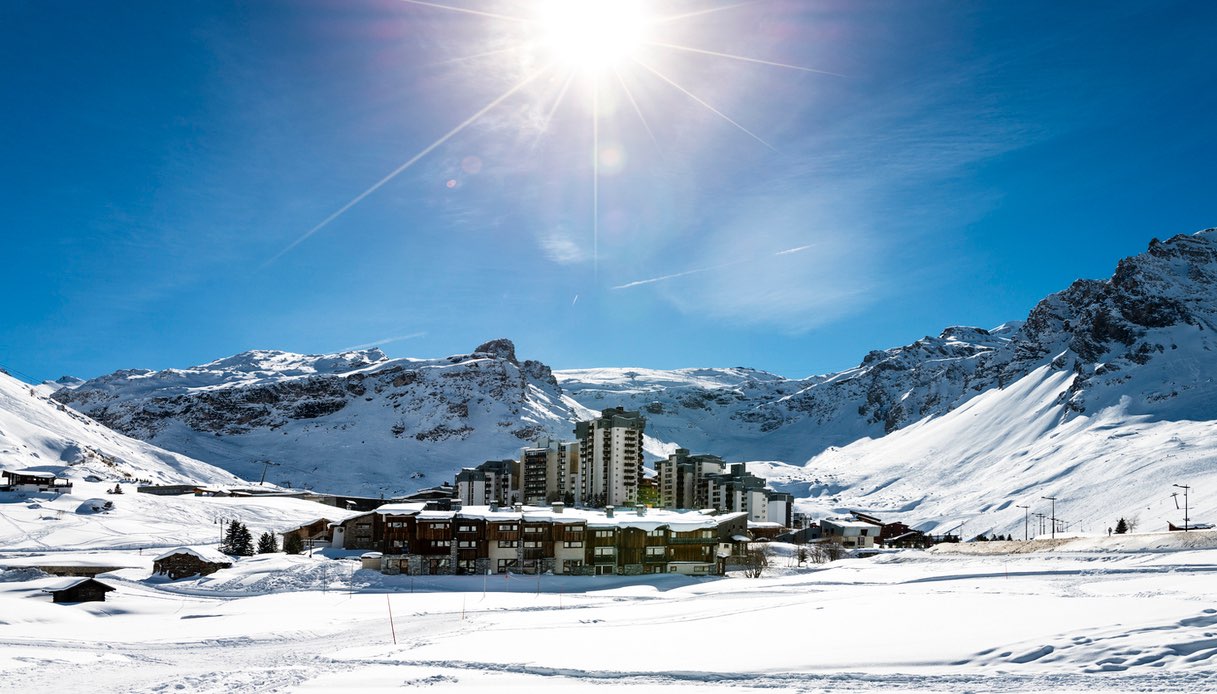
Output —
(83, 590)
(190, 561)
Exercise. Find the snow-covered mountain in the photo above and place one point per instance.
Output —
(41, 434)
(350, 422)
(1129, 356)
(1145, 336)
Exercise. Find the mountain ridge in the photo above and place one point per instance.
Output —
(1141, 340)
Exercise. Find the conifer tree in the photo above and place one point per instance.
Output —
(267, 544)
(292, 544)
(237, 540)
(1121, 527)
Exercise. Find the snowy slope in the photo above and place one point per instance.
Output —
(1013, 446)
(355, 422)
(39, 433)
(1133, 353)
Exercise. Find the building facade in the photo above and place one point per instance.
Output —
(492, 482)
(610, 458)
(548, 472)
(531, 540)
(682, 479)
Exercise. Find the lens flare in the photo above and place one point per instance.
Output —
(592, 35)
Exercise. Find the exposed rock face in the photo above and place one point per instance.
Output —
(359, 421)
(1160, 305)
(332, 417)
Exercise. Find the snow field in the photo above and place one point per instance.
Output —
(911, 621)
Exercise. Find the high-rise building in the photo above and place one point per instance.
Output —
(740, 490)
(682, 479)
(490, 482)
(545, 472)
(610, 458)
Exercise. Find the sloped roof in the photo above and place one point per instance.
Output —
(207, 554)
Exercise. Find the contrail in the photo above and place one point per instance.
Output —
(385, 341)
(464, 10)
(686, 273)
(395, 172)
(798, 249)
(745, 59)
(695, 271)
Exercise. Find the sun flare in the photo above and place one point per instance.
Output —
(592, 35)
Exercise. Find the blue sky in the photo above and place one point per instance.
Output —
(169, 169)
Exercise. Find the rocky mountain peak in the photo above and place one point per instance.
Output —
(500, 348)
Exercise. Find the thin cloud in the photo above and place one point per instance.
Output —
(385, 341)
(695, 271)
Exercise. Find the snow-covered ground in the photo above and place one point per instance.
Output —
(1092, 614)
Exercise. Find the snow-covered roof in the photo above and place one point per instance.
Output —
(402, 509)
(205, 553)
(681, 521)
(764, 524)
(67, 583)
(848, 523)
(32, 473)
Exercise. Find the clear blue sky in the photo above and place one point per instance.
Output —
(941, 163)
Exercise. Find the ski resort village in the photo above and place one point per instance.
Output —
(586, 346)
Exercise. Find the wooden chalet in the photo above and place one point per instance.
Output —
(31, 481)
(80, 590)
(190, 561)
(316, 532)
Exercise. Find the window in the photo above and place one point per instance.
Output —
(658, 532)
(604, 533)
(508, 527)
(572, 544)
(657, 551)
(532, 545)
(570, 566)
(465, 529)
(533, 529)
(466, 544)
(399, 544)
(507, 543)
(606, 551)
(440, 544)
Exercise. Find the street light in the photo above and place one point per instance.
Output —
(1185, 489)
(1053, 500)
(1026, 520)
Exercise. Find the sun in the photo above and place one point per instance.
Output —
(592, 35)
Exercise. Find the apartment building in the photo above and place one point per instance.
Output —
(740, 490)
(491, 482)
(610, 458)
(526, 539)
(682, 479)
(548, 472)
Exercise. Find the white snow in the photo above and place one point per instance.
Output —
(1099, 615)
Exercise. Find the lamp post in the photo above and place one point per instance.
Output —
(1185, 489)
(1026, 520)
(1053, 500)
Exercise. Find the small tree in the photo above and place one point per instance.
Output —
(1121, 527)
(802, 554)
(292, 544)
(237, 540)
(757, 560)
(267, 544)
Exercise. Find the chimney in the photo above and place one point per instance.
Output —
(559, 507)
(519, 508)
(494, 506)
(642, 510)
(608, 511)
